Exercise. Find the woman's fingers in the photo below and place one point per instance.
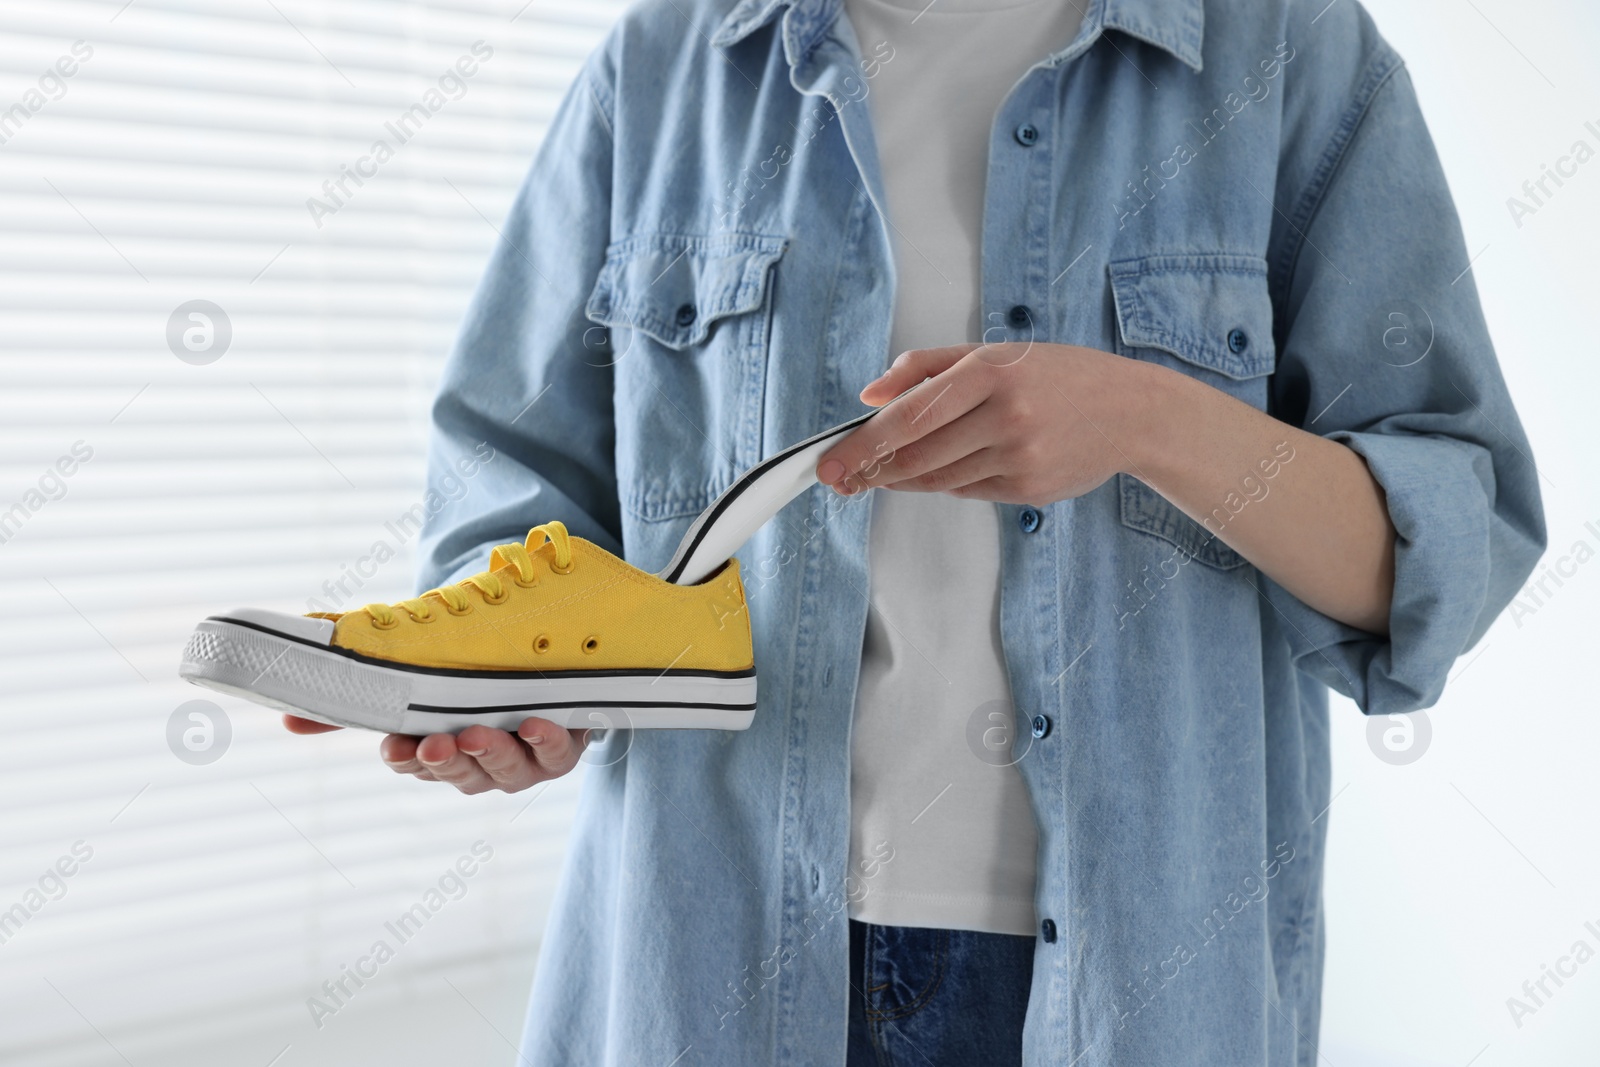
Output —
(958, 478)
(504, 758)
(860, 457)
(399, 752)
(446, 762)
(930, 463)
(481, 758)
(555, 748)
(296, 725)
(911, 367)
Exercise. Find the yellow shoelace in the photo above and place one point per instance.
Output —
(454, 597)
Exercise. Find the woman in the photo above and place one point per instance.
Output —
(1213, 424)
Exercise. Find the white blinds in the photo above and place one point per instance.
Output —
(140, 491)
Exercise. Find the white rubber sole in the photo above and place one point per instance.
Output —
(283, 670)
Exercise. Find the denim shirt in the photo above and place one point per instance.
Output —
(697, 273)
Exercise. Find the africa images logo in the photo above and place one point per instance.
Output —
(1142, 192)
(51, 485)
(451, 85)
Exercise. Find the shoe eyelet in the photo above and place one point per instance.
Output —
(464, 611)
(391, 624)
(424, 618)
(564, 570)
(591, 644)
(529, 584)
(541, 644)
(505, 595)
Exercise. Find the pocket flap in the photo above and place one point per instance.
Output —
(1145, 509)
(1213, 311)
(675, 287)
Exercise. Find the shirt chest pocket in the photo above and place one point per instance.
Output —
(1207, 316)
(685, 321)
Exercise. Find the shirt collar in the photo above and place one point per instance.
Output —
(1178, 26)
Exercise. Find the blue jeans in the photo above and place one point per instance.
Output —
(932, 998)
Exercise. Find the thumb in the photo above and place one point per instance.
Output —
(911, 367)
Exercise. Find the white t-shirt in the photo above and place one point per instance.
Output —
(961, 826)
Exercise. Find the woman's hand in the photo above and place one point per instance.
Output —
(479, 758)
(1037, 423)
(1019, 423)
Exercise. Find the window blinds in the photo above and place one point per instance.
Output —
(223, 309)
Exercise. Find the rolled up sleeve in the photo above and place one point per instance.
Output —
(1383, 347)
(523, 427)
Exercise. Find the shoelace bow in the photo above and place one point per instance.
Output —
(493, 589)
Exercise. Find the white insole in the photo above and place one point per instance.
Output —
(745, 506)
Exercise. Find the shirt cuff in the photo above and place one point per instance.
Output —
(1441, 506)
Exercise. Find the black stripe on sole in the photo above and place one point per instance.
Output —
(582, 704)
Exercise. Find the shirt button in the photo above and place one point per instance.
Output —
(1041, 726)
(1047, 930)
(1019, 315)
(685, 314)
(1028, 519)
(1238, 341)
(1027, 135)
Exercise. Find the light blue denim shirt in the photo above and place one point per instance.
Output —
(697, 273)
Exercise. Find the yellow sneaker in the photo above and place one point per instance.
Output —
(557, 628)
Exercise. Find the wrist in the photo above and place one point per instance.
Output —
(1155, 404)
